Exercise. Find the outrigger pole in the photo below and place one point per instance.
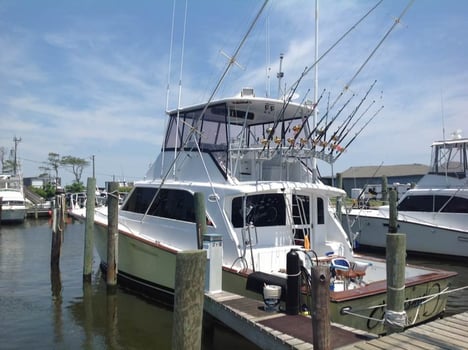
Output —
(193, 130)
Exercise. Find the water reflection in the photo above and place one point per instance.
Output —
(45, 308)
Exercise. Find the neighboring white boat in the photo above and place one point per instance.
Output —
(13, 202)
(434, 215)
(251, 159)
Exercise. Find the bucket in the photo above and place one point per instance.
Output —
(271, 297)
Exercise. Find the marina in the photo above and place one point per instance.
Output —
(41, 312)
(233, 239)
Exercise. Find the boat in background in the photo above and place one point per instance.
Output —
(434, 214)
(13, 201)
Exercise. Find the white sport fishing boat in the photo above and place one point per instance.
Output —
(13, 202)
(251, 158)
(253, 161)
(434, 215)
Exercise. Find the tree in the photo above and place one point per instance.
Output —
(54, 162)
(76, 164)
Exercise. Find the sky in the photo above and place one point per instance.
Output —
(91, 78)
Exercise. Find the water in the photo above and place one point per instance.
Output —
(39, 310)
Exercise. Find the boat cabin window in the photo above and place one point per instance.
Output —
(320, 211)
(261, 210)
(450, 159)
(445, 204)
(169, 203)
(210, 130)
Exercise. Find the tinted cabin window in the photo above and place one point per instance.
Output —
(139, 199)
(261, 210)
(320, 212)
(171, 204)
(428, 203)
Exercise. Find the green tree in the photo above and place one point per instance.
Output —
(53, 161)
(47, 191)
(75, 187)
(76, 165)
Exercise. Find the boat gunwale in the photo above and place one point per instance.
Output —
(372, 289)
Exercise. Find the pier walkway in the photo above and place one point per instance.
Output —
(276, 330)
(272, 330)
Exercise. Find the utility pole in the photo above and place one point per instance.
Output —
(15, 164)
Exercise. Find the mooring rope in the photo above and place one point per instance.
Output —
(397, 318)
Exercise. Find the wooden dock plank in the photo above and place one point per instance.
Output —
(432, 335)
(452, 328)
(395, 343)
(459, 327)
(280, 331)
(442, 334)
(233, 312)
(406, 341)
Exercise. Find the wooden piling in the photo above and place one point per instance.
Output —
(1, 205)
(58, 224)
(89, 229)
(112, 236)
(200, 217)
(188, 299)
(384, 188)
(393, 214)
(395, 316)
(320, 294)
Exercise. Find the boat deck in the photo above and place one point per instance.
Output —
(280, 331)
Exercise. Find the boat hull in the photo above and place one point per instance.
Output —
(422, 238)
(13, 214)
(151, 267)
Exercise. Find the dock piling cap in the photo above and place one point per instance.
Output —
(212, 237)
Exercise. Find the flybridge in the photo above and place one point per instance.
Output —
(246, 126)
(450, 158)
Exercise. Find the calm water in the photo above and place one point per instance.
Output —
(40, 311)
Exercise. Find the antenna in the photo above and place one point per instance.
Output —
(280, 74)
(443, 116)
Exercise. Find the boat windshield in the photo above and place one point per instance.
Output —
(186, 129)
(450, 159)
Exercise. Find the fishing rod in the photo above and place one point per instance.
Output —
(286, 103)
(357, 134)
(297, 82)
(194, 129)
(323, 133)
(317, 125)
(299, 108)
(337, 136)
(354, 123)
(298, 130)
(307, 70)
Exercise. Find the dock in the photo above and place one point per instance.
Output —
(445, 333)
(277, 330)
(272, 330)
(35, 212)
